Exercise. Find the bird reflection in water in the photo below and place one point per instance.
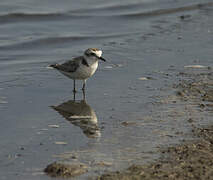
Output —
(79, 113)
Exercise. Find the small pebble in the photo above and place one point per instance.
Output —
(61, 143)
(53, 126)
(143, 78)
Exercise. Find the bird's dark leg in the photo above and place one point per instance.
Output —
(74, 95)
(74, 91)
(84, 85)
(84, 95)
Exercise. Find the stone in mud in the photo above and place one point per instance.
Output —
(65, 170)
(180, 93)
(182, 17)
(125, 123)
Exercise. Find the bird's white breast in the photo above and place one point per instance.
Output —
(84, 72)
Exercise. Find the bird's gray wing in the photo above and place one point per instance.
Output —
(71, 65)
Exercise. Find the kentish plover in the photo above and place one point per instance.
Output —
(82, 67)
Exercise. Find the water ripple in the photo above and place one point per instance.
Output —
(168, 11)
(130, 10)
(51, 41)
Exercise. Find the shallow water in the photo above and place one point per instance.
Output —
(139, 39)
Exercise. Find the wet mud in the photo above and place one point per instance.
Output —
(191, 159)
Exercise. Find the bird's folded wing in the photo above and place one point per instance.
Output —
(70, 66)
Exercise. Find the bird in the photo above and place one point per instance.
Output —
(81, 67)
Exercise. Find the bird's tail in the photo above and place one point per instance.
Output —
(55, 66)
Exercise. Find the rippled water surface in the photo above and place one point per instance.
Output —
(123, 124)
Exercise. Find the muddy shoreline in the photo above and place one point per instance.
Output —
(191, 159)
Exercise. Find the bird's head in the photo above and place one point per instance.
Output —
(94, 52)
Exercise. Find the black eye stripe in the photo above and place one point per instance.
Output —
(93, 54)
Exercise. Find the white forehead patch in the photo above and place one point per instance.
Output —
(98, 53)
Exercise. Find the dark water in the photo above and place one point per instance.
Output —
(142, 38)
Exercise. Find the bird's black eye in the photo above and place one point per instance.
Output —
(92, 54)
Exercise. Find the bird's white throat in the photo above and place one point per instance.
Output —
(91, 60)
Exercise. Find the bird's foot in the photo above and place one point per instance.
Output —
(74, 91)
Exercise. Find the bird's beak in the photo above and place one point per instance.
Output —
(101, 58)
